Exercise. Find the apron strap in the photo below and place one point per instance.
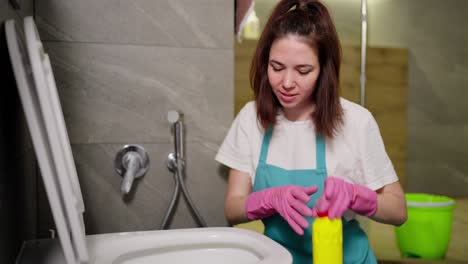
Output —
(265, 144)
(320, 151)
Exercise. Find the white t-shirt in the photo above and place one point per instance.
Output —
(356, 154)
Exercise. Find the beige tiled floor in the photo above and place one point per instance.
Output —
(382, 237)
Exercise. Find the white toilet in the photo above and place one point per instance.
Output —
(37, 89)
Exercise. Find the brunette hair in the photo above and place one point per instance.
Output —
(310, 20)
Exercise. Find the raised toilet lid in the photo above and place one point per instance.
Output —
(39, 98)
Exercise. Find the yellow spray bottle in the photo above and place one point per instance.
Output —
(327, 240)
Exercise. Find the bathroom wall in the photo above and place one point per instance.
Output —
(434, 33)
(17, 162)
(120, 66)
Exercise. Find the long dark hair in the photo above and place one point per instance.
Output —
(310, 20)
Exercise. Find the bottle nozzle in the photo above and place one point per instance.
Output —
(322, 214)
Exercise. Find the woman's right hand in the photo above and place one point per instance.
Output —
(289, 201)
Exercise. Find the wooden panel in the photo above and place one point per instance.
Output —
(386, 96)
(387, 99)
(386, 91)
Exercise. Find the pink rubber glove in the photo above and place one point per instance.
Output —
(339, 196)
(289, 201)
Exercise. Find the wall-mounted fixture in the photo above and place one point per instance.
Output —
(131, 162)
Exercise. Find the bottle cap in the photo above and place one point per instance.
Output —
(322, 214)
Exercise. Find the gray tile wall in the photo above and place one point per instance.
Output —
(17, 162)
(438, 109)
(435, 34)
(120, 66)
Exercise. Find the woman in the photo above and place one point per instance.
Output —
(299, 148)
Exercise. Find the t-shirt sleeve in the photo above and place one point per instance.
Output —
(235, 151)
(377, 168)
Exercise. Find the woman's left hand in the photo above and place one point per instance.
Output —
(339, 196)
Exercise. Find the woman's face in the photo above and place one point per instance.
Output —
(293, 70)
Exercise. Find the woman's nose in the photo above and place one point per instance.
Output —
(288, 80)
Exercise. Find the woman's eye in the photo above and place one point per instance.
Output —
(304, 70)
(276, 68)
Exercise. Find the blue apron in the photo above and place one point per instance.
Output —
(356, 247)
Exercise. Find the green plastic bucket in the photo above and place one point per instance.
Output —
(426, 233)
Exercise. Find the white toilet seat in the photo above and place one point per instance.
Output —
(38, 93)
(127, 248)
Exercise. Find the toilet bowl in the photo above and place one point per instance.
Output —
(41, 104)
(194, 245)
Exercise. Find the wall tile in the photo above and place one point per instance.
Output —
(439, 177)
(120, 66)
(382, 14)
(176, 23)
(107, 211)
(436, 159)
(437, 112)
(119, 93)
(7, 12)
(347, 18)
(26, 8)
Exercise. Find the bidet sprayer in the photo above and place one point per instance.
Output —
(176, 164)
(176, 118)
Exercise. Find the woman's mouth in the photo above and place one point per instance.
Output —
(286, 98)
